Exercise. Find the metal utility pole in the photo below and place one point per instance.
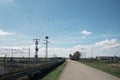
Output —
(5, 69)
(46, 42)
(85, 54)
(11, 55)
(36, 48)
(92, 53)
(29, 54)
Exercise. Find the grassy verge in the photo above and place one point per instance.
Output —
(54, 75)
(104, 67)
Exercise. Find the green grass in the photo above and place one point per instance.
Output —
(104, 67)
(54, 75)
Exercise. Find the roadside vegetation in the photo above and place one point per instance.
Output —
(108, 66)
(54, 75)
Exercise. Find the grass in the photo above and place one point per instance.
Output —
(104, 67)
(54, 75)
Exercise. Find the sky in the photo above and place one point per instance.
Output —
(89, 26)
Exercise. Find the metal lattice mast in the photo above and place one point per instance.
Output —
(36, 48)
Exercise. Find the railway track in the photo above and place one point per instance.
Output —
(33, 73)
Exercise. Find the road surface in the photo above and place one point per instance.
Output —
(78, 71)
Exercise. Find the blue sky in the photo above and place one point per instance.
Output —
(68, 23)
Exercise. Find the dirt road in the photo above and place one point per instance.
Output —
(78, 71)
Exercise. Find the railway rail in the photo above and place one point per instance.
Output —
(33, 73)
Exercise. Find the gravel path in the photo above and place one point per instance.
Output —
(78, 71)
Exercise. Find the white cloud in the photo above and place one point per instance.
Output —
(85, 32)
(107, 44)
(4, 33)
(101, 48)
(82, 47)
(23, 51)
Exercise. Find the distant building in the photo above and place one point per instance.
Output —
(108, 58)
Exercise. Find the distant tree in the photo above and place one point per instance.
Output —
(70, 56)
(75, 56)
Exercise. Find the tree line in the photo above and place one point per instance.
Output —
(75, 56)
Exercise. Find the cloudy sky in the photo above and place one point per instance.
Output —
(90, 26)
